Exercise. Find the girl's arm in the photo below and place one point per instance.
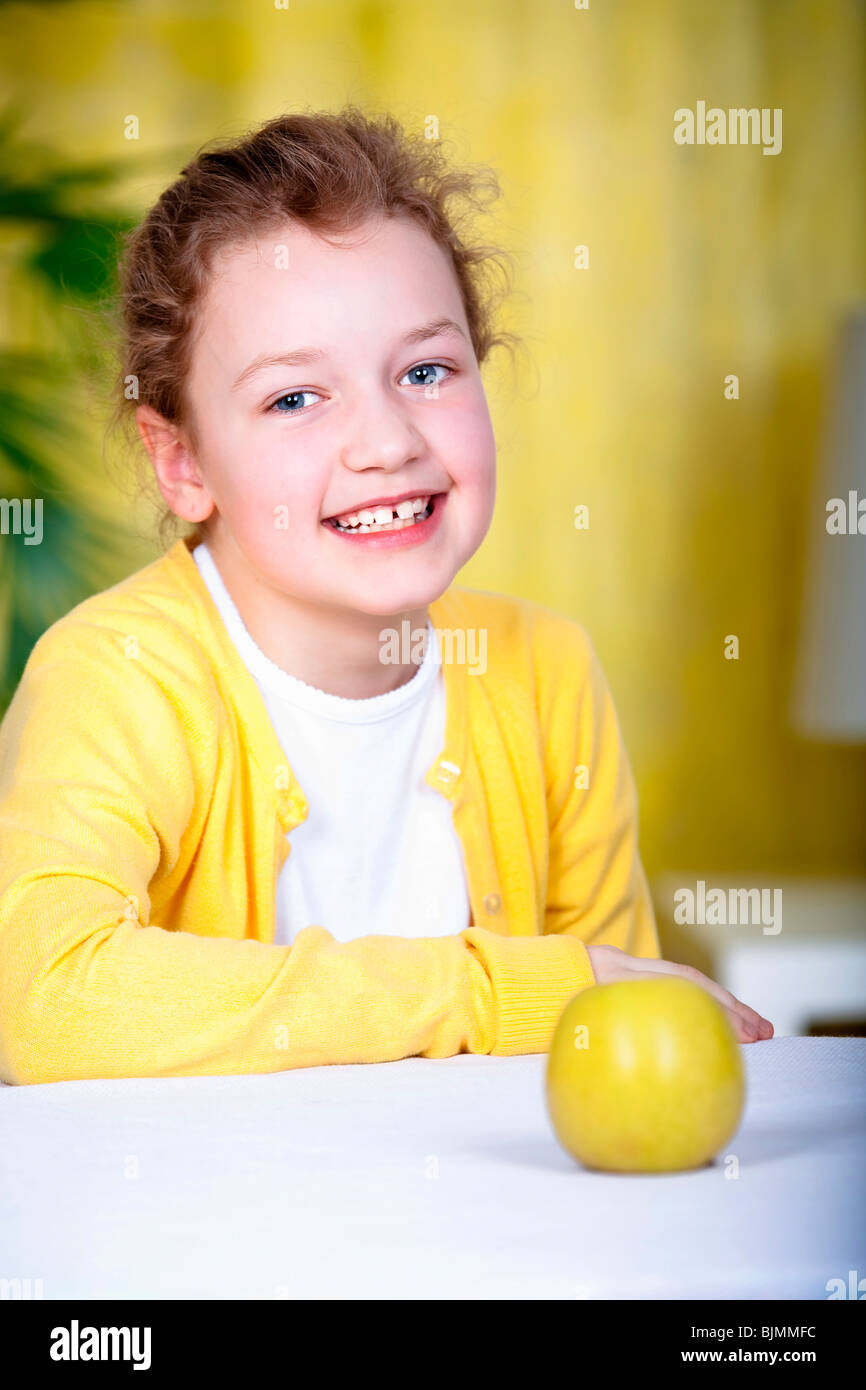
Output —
(96, 790)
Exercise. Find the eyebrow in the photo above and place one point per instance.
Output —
(302, 356)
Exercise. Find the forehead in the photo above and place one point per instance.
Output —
(354, 297)
(383, 264)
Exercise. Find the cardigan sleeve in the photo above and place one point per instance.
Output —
(597, 888)
(100, 768)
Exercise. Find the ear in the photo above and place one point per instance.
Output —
(174, 464)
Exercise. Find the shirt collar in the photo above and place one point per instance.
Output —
(238, 684)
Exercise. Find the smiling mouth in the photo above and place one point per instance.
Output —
(398, 517)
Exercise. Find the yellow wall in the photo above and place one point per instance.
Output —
(703, 261)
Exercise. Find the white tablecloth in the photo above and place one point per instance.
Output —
(423, 1179)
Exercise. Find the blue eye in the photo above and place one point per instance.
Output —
(427, 367)
(423, 375)
(292, 396)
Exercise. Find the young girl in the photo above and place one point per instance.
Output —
(287, 796)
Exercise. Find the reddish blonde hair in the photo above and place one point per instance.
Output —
(328, 171)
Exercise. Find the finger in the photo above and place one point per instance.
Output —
(724, 996)
(743, 1031)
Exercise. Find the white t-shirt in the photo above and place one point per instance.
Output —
(378, 853)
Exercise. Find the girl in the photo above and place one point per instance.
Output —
(287, 796)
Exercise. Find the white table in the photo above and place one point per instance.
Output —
(422, 1179)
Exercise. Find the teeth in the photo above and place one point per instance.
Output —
(384, 518)
(396, 525)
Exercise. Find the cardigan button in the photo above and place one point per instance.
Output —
(492, 904)
(447, 773)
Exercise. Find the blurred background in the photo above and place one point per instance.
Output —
(707, 501)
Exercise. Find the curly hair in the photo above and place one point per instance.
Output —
(329, 171)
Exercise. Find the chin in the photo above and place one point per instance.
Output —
(390, 607)
(398, 600)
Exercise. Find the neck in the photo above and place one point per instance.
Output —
(336, 650)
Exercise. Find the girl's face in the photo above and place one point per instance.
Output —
(326, 380)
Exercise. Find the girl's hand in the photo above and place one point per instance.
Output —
(611, 964)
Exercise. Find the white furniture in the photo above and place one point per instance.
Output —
(423, 1179)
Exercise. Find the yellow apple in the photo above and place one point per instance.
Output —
(644, 1076)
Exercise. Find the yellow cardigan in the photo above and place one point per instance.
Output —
(146, 809)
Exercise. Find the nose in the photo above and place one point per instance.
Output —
(379, 435)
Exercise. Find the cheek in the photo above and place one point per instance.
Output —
(467, 442)
(265, 472)
(477, 452)
(281, 505)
